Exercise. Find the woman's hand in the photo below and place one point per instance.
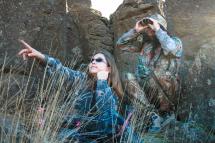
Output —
(139, 27)
(29, 52)
(102, 75)
(40, 114)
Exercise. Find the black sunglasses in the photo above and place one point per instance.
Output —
(98, 60)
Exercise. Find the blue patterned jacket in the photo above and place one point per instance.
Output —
(105, 117)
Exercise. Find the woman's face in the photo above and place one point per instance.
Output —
(98, 63)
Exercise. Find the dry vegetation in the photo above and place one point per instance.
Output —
(20, 121)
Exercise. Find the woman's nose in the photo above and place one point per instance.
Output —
(93, 62)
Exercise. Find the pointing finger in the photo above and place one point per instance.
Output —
(26, 45)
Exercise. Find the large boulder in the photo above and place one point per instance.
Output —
(63, 30)
(40, 23)
(194, 22)
(197, 99)
(95, 30)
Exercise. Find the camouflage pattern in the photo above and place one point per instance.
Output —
(163, 61)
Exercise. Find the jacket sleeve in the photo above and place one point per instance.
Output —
(130, 41)
(106, 103)
(169, 44)
(126, 37)
(55, 68)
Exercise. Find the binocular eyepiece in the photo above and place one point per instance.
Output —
(146, 21)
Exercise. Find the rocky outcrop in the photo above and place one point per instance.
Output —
(95, 29)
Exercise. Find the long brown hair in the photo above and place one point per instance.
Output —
(113, 78)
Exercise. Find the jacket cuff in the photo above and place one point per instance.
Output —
(159, 33)
(46, 59)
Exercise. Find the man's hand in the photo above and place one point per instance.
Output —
(155, 25)
(139, 27)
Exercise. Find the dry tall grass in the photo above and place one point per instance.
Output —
(22, 95)
(19, 111)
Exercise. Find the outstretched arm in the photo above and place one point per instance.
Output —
(53, 65)
(29, 52)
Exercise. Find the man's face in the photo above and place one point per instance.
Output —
(150, 32)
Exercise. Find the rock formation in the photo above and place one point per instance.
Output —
(71, 31)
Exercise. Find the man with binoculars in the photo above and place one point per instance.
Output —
(157, 64)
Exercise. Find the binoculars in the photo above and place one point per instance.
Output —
(146, 21)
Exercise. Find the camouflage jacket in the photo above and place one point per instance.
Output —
(165, 58)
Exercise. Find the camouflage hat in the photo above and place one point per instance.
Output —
(160, 19)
